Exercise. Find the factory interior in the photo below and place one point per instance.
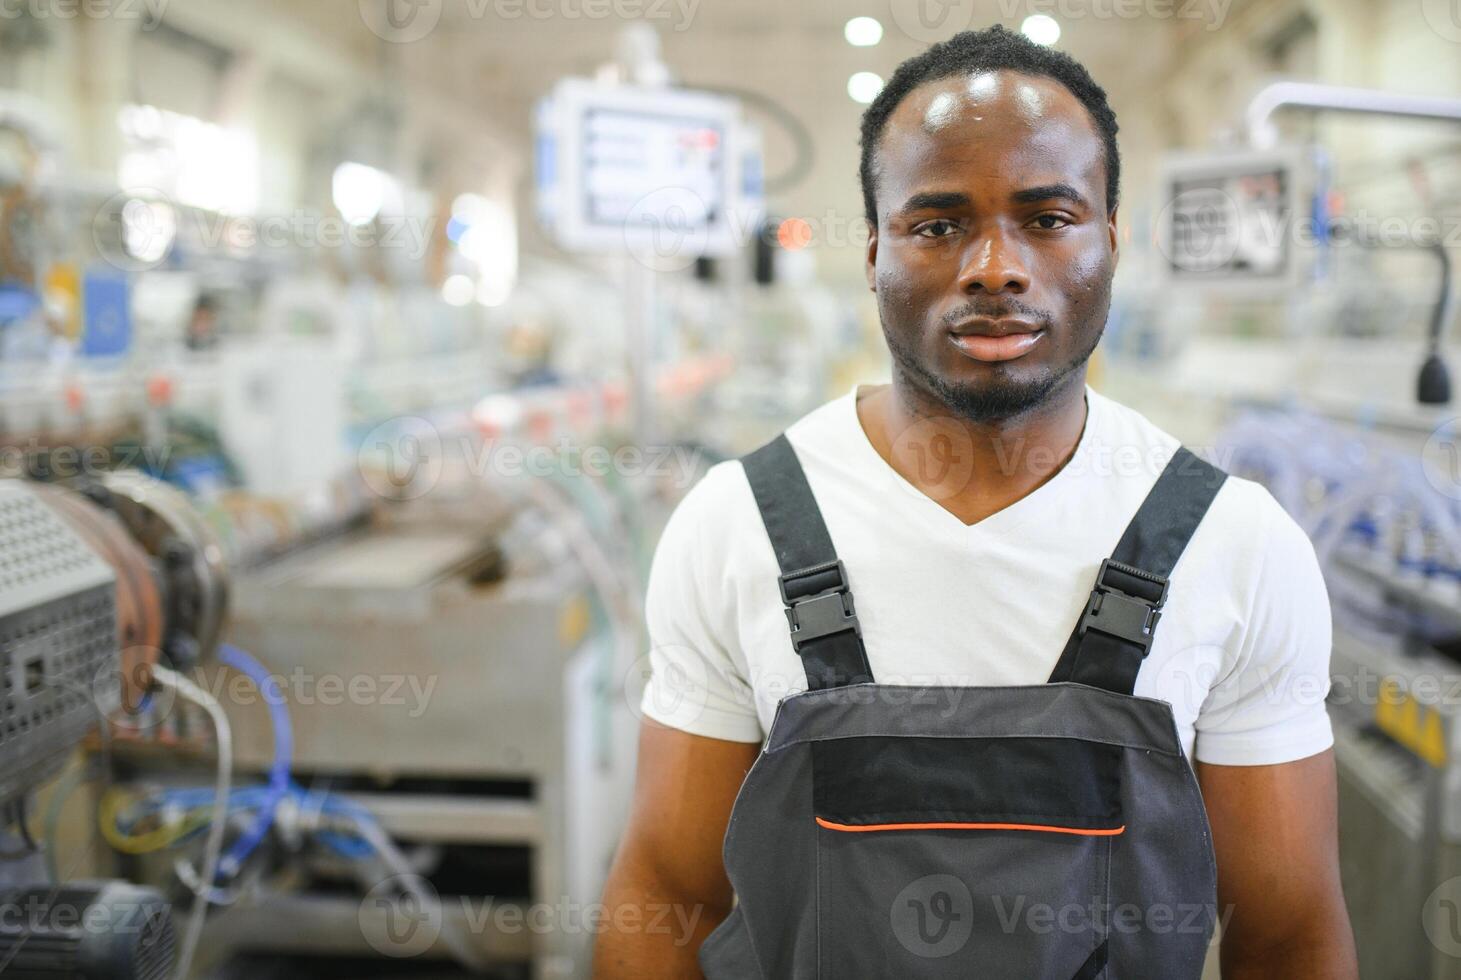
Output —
(291, 292)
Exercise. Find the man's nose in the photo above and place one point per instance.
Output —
(992, 265)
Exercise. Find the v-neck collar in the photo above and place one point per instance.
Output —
(1001, 522)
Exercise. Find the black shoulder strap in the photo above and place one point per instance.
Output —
(1115, 632)
(824, 627)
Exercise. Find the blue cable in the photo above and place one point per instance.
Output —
(254, 798)
(279, 781)
(266, 799)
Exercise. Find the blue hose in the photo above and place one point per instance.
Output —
(249, 798)
(279, 782)
(265, 800)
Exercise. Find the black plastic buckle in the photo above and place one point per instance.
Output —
(1120, 614)
(824, 613)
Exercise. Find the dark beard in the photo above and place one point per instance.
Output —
(999, 400)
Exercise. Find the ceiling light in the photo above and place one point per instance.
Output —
(864, 86)
(863, 32)
(1041, 28)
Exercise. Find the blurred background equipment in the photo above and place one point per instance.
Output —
(58, 620)
(59, 935)
(75, 591)
(1385, 516)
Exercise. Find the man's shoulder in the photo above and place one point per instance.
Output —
(822, 435)
(1244, 517)
(1255, 520)
(831, 414)
(1122, 428)
(721, 492)
(719, 514)
(1125, 427)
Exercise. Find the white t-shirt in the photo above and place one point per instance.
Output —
(1241, 651)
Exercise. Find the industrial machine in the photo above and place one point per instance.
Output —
(95, 584)
(442, 675)
(423, 701)
(417, 756)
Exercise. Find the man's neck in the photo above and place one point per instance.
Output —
(973, 469)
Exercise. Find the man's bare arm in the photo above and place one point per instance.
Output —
(1275, 832)
(668, 888)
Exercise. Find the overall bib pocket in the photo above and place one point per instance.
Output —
(941, 857)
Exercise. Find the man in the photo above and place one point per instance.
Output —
(970, 503)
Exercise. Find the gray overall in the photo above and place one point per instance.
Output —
(1047, 832)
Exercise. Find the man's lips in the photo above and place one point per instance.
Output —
(1003, 339)
(994, 327)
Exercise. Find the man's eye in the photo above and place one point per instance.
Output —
(938, 228)
(1050, 222)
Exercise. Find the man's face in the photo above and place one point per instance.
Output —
(993, 253)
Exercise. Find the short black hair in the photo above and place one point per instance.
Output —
(993, 49)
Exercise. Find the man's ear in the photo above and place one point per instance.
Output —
(870, 267)
(1115, 240)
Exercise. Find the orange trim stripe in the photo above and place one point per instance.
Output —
(863, 828)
